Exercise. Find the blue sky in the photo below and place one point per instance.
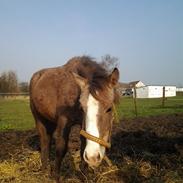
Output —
(146, 36)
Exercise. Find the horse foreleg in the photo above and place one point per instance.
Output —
(61, 136)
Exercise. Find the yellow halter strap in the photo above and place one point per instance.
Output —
(95, 139)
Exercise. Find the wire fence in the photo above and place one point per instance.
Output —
(24, 95)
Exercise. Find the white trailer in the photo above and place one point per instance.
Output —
(155, 91)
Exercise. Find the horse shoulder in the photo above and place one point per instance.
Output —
(43, 92)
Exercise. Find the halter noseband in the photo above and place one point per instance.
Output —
(95, 139)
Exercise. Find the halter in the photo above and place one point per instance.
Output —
(97, 139)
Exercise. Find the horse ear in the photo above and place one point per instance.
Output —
(114, 77)
(82, 82)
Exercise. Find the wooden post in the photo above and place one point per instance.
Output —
(163, 97)
(135, 100)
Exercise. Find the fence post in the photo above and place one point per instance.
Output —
(135, 100)
(163, 97)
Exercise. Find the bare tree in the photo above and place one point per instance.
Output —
(9, 82)
(109, 62)
(3, 83)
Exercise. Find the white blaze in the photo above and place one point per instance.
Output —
(93, 148)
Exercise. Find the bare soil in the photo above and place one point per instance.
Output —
(144, 150)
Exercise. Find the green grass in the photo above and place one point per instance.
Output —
(16, 114)
(149, 107)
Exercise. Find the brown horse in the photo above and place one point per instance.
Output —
(80, 92)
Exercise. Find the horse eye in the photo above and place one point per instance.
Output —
(109, 110)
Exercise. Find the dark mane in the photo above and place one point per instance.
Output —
(94, 72)
(86, 67)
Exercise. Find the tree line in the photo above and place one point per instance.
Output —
(9, 83)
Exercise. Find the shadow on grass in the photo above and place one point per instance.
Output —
(136, 143)
(132, 150)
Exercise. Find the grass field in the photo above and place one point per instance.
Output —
(149, 107)
(16, 114)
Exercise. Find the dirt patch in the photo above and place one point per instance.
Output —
(144, 150)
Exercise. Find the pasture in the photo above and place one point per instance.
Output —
(145, 149)
(16, 114)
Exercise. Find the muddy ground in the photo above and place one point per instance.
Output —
(144, 150)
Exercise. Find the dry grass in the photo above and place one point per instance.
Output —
(23, 168)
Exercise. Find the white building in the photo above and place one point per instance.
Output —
(127, 88)
(155, 91)
(179, 89)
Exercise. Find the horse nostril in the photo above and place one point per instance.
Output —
(98, 157)
(86, 157)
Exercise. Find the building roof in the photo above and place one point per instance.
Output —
(133, 83)
(128, 85)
